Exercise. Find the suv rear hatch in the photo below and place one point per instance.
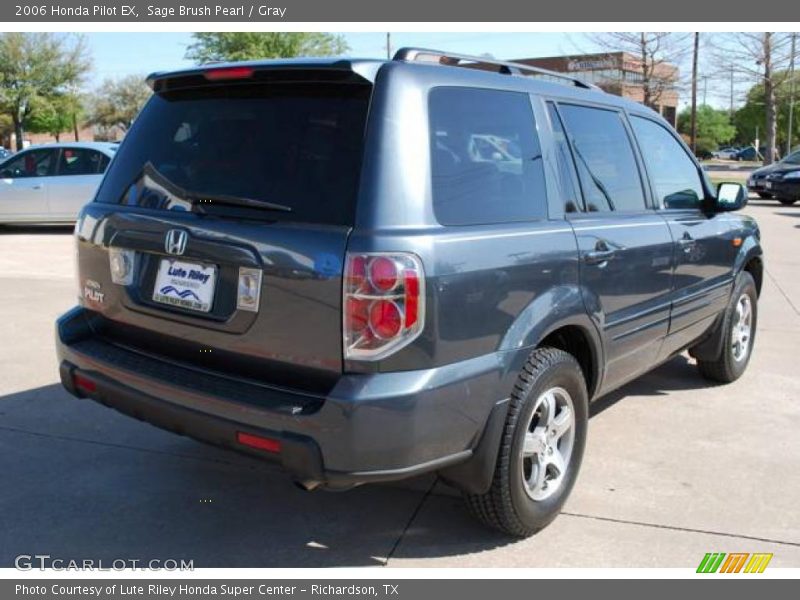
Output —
(225, 217)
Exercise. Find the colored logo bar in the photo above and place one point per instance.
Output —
(735, 562)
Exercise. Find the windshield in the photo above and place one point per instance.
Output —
(293, 144)
(793, 158)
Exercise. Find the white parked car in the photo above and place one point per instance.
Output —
(50, 183)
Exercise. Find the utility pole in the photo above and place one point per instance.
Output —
(731, 110)
(791, 95)
(388, 45)
(694, 92)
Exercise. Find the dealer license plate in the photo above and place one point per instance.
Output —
(768, 185)
(185, 284)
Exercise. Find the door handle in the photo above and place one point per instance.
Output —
(598, 257)
(38, 186)
(686, 242)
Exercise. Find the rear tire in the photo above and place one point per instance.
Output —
(542, 446)
(738, 333)
(787, 201)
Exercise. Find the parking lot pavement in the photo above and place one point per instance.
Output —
(674, 467)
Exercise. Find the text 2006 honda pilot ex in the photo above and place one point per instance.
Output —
(367, 270)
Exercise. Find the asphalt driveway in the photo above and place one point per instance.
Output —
(674, 467)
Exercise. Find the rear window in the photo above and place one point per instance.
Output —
(298, 145)
(485, 155)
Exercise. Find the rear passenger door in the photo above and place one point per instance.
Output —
(77, 176)
(625, 246)
(704, 254)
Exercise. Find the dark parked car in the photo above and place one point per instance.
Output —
(779, 180)
(368, 270)
(750, 154)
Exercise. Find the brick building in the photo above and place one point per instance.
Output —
(619, 73)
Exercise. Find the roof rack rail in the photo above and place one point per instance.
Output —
(504, 67)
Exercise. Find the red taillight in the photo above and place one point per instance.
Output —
(228, 73)
(412, 298)
(258, 442)
(383, 273)
(384, 303)
(357, 312)
(84, 383)
(385, 319)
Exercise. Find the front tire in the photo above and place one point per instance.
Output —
(738, 333)
(787, 201)
(764, 195)
(542, 446)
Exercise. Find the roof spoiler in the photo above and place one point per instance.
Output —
(333, 69)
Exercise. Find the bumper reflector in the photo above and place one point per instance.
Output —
(258, 442)
(84, 384)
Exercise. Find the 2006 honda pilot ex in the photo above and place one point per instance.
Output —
(367, 270)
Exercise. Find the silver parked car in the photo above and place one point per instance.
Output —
(50, 183)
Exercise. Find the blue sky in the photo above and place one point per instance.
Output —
(117, 54)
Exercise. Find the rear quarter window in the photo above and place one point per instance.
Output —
(486, 162)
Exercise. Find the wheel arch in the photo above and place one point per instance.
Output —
(751, 259)
(556, 317)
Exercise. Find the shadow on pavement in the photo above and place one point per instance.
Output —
(677, 374)
(85, 482)
(11, 229)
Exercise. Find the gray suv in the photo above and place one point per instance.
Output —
(368, 270)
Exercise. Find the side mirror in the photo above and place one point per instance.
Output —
(731, 196)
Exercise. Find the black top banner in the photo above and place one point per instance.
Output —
(452, 11)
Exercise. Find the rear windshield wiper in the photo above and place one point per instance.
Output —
(198, 201)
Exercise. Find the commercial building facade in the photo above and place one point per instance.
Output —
(620, 73)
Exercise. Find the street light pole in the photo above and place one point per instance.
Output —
(791, 95)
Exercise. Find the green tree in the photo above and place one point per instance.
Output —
(35, 66)
(242, 45)
(713, 126)
(763, 58)
(750, 117)
(118, 101)
(56, 114)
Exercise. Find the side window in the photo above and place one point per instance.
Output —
(33, 163)
(81, 161)
(486, 160)
(604, 157)
(566, 167)
(673, 174)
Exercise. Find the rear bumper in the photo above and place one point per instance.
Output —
(370, 427)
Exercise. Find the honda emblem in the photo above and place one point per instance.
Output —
(175, 242)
